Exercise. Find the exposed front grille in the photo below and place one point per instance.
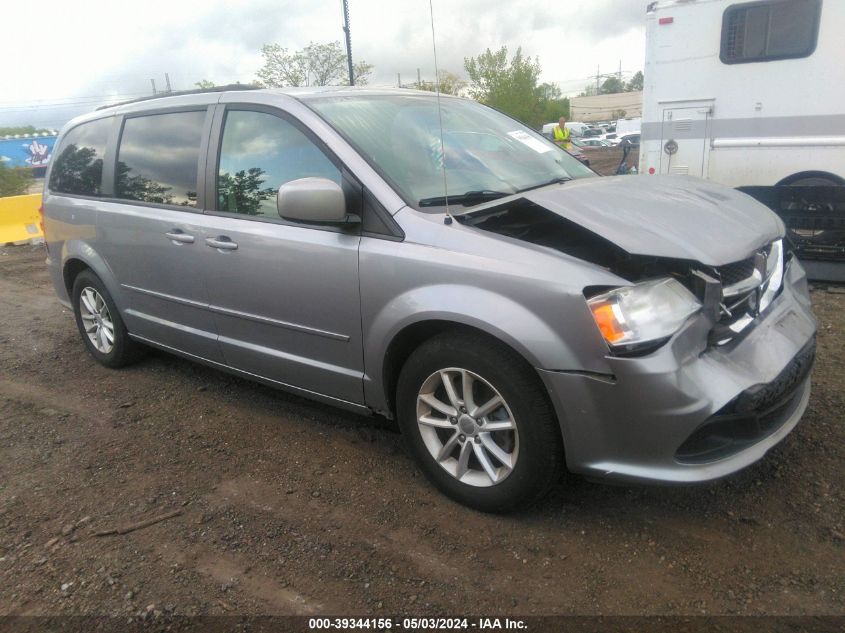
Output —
(738, 271)
(746, 290)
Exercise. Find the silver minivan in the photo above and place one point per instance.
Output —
(434, 261)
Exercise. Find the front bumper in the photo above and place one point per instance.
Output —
(652, 421)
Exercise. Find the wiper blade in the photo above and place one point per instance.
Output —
(553, 181)
(466, 199)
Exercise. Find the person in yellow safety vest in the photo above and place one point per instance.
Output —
(562, 134)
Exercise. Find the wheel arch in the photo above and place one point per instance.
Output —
(410, 337)
(71, 269)
(79, 256)
(534, 330)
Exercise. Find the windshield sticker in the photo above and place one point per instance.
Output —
(535, 144)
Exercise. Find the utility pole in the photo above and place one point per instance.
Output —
(419, 83)
(348, 41)
(597, 79)
(398, 80)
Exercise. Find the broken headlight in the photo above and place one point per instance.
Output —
(774, 274)
(643, 314)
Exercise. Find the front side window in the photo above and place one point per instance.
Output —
(482, 151)
(766, 31)
(260, 152)
(158, 158)
(78, 169)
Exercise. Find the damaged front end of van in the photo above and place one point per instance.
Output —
(708, 336)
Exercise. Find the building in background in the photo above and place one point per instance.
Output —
(606, 107)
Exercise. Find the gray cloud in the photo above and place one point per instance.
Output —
(221, 41)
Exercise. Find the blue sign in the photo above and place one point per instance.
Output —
(34, 151)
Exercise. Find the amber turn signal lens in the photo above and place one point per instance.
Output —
(607, 322)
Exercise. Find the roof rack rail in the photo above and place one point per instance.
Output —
(179, 93)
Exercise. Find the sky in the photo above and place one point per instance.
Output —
(87, 52)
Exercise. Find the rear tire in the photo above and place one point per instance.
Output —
(100, 325)
(514, 452)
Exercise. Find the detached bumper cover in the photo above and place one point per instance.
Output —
(650, 421)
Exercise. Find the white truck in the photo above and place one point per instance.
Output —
(752, 95)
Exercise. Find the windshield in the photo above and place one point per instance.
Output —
(486, 152)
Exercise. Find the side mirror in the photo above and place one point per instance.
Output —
(312, 200)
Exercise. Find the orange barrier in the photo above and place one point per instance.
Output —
(19, 218)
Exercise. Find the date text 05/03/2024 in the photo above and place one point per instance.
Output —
(417, 624)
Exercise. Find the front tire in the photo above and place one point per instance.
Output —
(100, 325)
(477, 420)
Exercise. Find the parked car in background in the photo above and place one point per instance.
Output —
(435, 261)
(592, 132)
(592, 142)
(631, 139)
(628, 126)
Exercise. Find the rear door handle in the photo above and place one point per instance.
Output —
(179, 236)
(222, 242)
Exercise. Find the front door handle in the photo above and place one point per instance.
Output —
(180, 237)
(222, 242)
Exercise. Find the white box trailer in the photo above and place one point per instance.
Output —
(752, 95)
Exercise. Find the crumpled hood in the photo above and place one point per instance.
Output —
(664, 216)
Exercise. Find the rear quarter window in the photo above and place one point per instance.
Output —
(78, 166)
(158, 158)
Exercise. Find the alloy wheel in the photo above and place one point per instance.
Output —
(467, 427)
(96, 319)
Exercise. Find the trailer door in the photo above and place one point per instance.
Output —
(683, 146)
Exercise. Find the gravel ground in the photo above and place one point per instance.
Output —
(290, 507)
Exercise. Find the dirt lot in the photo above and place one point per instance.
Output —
(290, 507)
(605, 160)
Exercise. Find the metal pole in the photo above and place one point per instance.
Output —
(167, 82)
(348, 41)
(153, 82)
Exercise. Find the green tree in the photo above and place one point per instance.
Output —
(508, 85)
(23, 129)
(204, 84)
(361, 71)
(450, 83)
(553, 109)
(14, 181)
(314, 65)
(636, 83)
(282, 68)
(612, 85)
(552, 104)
